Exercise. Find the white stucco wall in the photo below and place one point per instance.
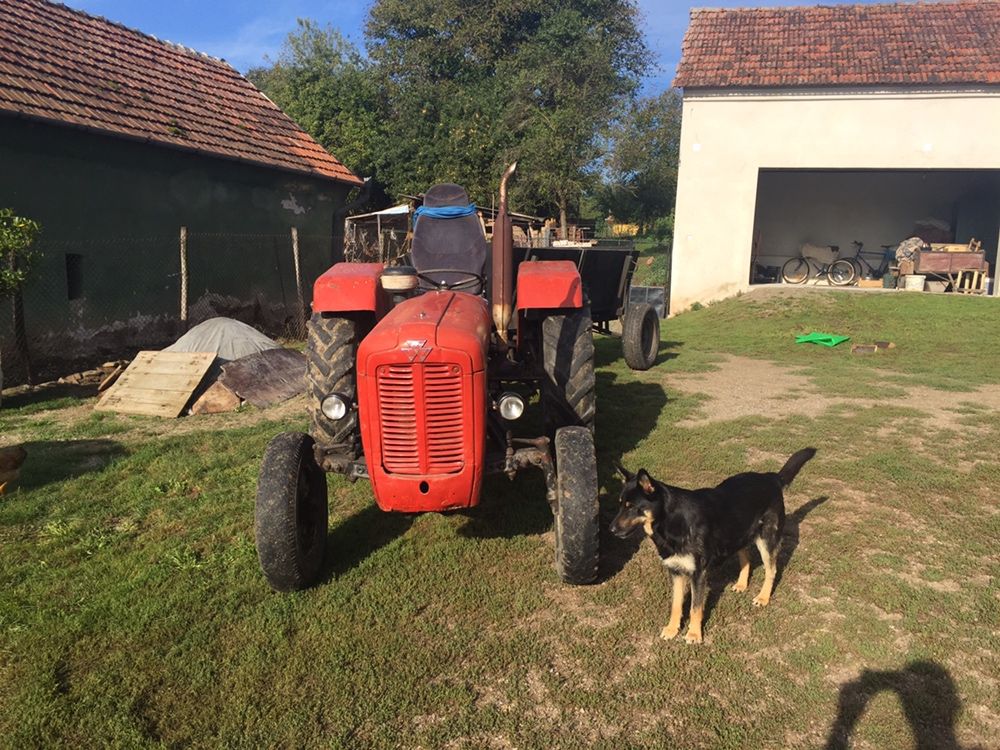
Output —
(728, 137)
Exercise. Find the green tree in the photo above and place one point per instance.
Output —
(474, 84)
(643, 160)
(324, 83)
(436, 62)
(17, 234)
(580, 65)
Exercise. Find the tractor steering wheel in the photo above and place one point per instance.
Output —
(471, 279)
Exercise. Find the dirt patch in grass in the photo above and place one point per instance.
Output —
(745, 387)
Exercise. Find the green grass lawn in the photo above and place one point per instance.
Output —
(132, 612)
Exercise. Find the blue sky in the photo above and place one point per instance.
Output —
(245, 31)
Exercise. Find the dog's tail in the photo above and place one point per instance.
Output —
(794, 465)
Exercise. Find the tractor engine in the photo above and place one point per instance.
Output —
(422, 402)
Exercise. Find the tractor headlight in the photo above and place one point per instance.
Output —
(510, 406)
(334, 407)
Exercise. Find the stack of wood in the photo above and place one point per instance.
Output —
(164, 383)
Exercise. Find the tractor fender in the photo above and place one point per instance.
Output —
(351, 287)
(548, 284)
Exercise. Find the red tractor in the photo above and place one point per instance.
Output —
(418, 377)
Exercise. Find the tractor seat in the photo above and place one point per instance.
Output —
(443, 244)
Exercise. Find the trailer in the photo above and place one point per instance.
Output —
(606, 271)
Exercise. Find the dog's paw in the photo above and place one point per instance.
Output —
(692, 637)
(738, 586)
(761, 601)
(669, 632)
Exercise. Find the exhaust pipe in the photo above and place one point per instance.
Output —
(503, 261)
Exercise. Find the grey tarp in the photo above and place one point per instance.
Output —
(229, 339)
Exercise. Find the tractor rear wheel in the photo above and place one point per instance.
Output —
(568, 388)
(291, 513)
(332, 349)
(577, 509)
(641, 336)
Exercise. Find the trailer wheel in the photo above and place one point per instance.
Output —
(641, 336)
(290, 518)
(568, 388)
(332, 350)
(577, 510)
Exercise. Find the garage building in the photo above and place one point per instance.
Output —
(825, 125)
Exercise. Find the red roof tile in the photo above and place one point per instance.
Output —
(67, 67)
(843, 45)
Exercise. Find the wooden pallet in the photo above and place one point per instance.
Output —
(157, 384)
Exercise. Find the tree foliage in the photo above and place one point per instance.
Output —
(643, 160)
(324, 83)
(17, 234)
(475, 84)
(453, 90)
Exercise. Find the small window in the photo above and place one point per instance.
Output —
(74, 276)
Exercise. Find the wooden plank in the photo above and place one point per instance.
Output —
(157, 383)
(110, 379)
(166, 362)
(150, 398)
(174, 381)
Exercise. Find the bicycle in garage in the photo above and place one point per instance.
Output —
(798, 270)
(864, 269)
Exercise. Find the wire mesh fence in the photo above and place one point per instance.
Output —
(87, 301)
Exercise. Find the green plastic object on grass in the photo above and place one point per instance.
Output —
(823, 339)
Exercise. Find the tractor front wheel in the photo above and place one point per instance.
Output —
(641, 336)
(577, 509)
(291, 514)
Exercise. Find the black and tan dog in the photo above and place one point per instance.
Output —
(696, 529)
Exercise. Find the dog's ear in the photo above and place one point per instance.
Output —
(645, 482)
(629, 476)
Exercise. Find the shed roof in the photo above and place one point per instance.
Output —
(70, 68)
(842, 45)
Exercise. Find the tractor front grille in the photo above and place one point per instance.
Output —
(420, 410)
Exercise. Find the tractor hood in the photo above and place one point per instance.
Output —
(446, 320)
(422, 402)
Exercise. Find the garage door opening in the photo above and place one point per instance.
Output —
(822, 208)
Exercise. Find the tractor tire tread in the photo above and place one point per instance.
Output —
(568, 389)
(577, 509)
(276, 515)
(332, 355)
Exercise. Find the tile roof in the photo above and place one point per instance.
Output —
(64, 66)
(843, 45)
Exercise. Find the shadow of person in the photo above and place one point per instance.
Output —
(927, 693)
